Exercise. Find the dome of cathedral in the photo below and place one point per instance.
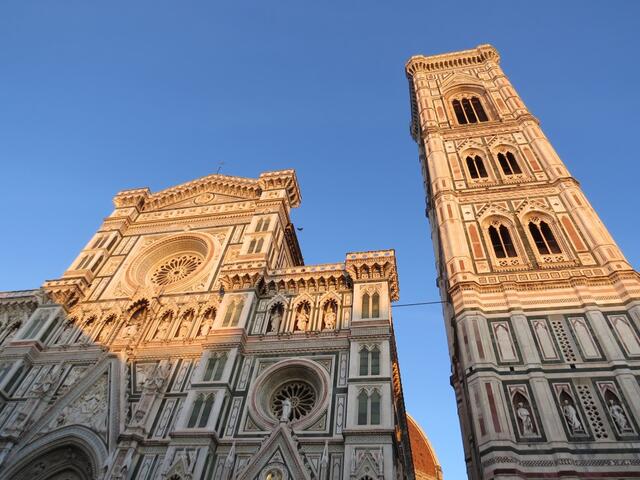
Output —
(425, 462)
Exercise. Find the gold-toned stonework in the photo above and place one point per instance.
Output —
(542, 310)
(189, 340)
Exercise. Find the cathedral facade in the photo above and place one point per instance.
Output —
(542, 310)
(188, 340)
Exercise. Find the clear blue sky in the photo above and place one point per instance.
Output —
(96, 97)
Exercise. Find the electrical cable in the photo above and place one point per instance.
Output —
(416, 304)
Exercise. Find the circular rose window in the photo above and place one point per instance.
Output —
(297, 388)
(172, 262)
(301, 397)
(176, 269)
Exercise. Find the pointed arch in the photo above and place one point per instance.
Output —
(543, 232)
(365, 305)
(363, 407)
(75, 437)
(501, 239)
(375, 400)
(375, 305)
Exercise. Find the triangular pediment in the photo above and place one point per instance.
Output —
(209, 190)
(460, 79)
(279, 450)
(202, 199)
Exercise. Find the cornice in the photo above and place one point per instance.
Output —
(282, 179)
(22, 298)
(244, 188)
(448, 61)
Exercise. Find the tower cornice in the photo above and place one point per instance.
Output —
(447, 61)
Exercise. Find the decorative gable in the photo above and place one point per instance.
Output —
(279, 451)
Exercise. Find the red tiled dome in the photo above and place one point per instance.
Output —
(425, 462)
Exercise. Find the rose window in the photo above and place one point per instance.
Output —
(301, 395)
(175, 269)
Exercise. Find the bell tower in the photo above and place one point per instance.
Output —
(542, 310)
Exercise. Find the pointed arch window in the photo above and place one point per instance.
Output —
(543, 238)
(215, 367)
(262, 225)
(365, 305)
(369, 407)
(469, 110)
(236, 314)
(509, 164)
(232, 315)
(84, 262)
(375, 408)
(364, 361)
(375, 361)
(501, 242)
(363, 404)
(375, 305)
(369, 360)
(370, 305)
(457, 108)
(476, 167)
(95, 266)
(256, 245)
(201, 411)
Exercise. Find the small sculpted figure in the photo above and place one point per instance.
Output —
(571, 415)
(619, 417)
(286, 410)
(302, 321)
(274, 323)
(525, 418)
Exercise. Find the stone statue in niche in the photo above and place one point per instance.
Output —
(302, 320)
(205, 326)
(526, 423)
(184, 329)
(274, 320)
(130, 330)
(571, 415)
(185, 326)
(619, 416)
(12, 329)
(86, 329)
(330, 318)
(161, 332)
(67, 332)
(106, 330)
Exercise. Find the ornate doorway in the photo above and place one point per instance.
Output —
(62, 463)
